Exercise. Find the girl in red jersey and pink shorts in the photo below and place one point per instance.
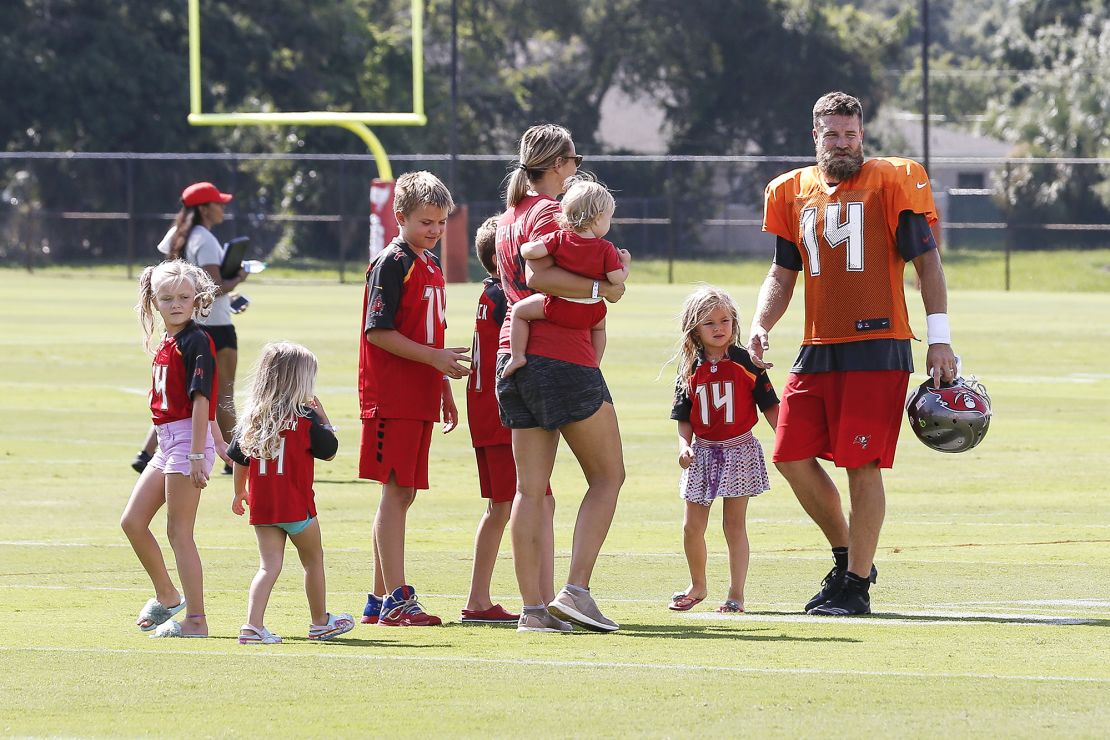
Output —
(182, 388)
(282, 430)
(717, 394)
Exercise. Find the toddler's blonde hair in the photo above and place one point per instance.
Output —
(281, 391)
(585, 201)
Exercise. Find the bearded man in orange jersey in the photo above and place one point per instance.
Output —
(849, 226)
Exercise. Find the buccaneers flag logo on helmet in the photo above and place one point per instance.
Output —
(952, 418)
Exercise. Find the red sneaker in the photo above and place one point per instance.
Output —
(494, 615)
(401, 609)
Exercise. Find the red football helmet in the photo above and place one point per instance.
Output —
(952, 418)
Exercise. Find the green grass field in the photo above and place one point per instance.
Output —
(991, 607)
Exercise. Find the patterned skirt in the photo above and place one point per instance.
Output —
(731, 468)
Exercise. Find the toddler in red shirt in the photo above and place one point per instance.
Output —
(586, 215)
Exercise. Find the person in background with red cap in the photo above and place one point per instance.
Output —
(190, 239)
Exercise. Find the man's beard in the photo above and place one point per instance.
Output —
(838, 168)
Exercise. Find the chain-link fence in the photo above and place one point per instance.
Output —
(312, 210)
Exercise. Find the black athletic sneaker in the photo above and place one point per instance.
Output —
(227, 469)
(140, 462)
(831, 586)
(849, 601)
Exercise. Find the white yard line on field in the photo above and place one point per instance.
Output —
(905, 617)
(366, 656)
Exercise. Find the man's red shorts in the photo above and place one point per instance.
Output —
(572, 314)
(850, 417)
(398, 447)
(497, 473)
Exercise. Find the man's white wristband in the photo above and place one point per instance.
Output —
(597, 285)
(938, 331)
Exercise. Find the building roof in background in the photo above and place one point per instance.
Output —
(945, 140)
(632, 124)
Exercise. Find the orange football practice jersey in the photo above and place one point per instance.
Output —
(846, 236)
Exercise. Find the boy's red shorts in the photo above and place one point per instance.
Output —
(852, 418)
(571, 314)
(497, 473)
(398, 447)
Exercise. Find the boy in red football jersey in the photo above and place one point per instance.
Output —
(403, 378)
(493, 446)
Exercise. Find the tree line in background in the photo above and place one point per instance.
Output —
(732, 77)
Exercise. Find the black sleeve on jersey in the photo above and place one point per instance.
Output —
(763, 391)
(500, 304)
(322, 442)
(787, 255)
(680, 410)
(236, 453)
(914, 236)
(200, 363)
(386, 279)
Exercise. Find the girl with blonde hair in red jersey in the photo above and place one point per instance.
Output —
(718, 393)
(183, 386)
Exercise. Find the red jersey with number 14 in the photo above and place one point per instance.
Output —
(482, 415)
(720, 399)
(184, 364)
(846, 236)
(406, 293)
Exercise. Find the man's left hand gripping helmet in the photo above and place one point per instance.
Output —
(952, 418)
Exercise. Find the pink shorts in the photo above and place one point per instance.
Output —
(571, 314)
(851, 418)
(175, 441)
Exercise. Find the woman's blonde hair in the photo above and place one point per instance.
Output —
(585, 201)
(171, 272)
(539, 148)
(281, 391)
(696, 309)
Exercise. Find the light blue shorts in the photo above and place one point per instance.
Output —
(292, 527)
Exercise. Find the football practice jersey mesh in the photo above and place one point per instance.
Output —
(846, 236)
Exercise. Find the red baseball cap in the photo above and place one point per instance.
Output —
(200, 193)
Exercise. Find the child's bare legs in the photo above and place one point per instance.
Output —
(389, 534)
(597, 339)
(529, 309)
(271, 554)
(693, 541)
(310, 549)
(487, 541)
(736, 536)
(147, 498)
(182, 500)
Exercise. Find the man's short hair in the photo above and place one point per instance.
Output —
(485, 244)
(416, 189)
(837, 104)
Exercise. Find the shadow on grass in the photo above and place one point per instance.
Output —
(1047, 621)
(737, 631)
(363, 642)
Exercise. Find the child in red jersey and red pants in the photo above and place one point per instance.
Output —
(282, 430)
(404, 375)
(493, 445)
(183, 384)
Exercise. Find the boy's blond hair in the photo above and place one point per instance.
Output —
(485, 245)
(416, 189)
(585, 201)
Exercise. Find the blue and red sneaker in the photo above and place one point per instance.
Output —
(373, 609)
(401, 609)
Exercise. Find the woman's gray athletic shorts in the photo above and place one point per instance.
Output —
(549, 393)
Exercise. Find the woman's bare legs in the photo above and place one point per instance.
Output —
(530, 523)
(596, 442)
